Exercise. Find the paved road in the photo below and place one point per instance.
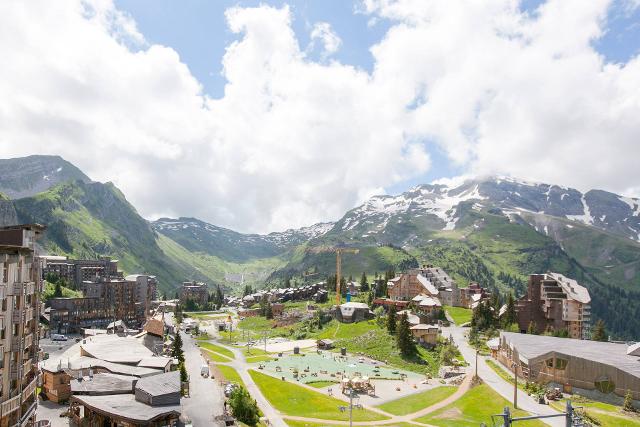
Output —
(494, 381)
(207, 398)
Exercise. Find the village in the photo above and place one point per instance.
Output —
(306, 355)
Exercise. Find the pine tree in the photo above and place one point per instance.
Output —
(57, 293)
(243, 407)
(404, 338)
(510, 316)
(268, 313)
(184, 377)
(176, 350)
(391, 320)
(628, 402)
(370, 298)
(364, 286)
(599, 332)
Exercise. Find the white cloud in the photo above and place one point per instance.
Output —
(294, 141)
(323, 33)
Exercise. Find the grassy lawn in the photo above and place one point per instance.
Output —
(256, 323)
(475, 407)
(293, 399)
(218, 349)
(320, 384)
(415, 402)
(230, 374)
(262, 358)
(459, 315)
(215, 357)
(608, 415)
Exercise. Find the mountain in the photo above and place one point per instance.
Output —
(28, 176)
(493, 230)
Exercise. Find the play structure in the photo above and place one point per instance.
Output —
(358, 384)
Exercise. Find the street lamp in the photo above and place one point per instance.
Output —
(352, 394)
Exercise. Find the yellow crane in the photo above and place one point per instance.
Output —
(339, 250)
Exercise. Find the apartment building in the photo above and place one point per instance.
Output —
(146, 290)
(408, 285)
(77, 271)
(555, 302)
(104, 301)
(195, 291)
(20, 312)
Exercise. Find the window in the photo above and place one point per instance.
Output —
(549, 363)
(605, 385)
(561, 364)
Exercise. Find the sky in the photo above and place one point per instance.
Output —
(263, 116)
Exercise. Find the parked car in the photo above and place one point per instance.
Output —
(204, 371)
(228, 389)
(58, 337)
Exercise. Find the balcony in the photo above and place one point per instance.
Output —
(31, 288)
(10, 405)
(26, 367)
(3, 291)
(28, 340)
(17, 315)
(29, 389)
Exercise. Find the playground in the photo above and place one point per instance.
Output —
(327, 366)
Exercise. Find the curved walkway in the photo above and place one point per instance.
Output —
(278, 419)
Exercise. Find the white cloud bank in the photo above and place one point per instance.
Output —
(294, 141)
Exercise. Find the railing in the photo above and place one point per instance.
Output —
(17, 288)
(17, 315)
(10, 405)
(31, 288)
(30, 389)
(3, 291)
(28, 340)
(28, 314)
(15, 343)
(25, 420)
(26, 367)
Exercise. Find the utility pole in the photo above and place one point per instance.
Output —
(477, 351)
(350, 407)
(569, 419)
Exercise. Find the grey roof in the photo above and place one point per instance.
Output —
(114, 348)
(127, 407)
(158, 385)
(537, 346)
(155, 362)
(84, 362)
(103, 384)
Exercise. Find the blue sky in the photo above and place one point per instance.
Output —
(197, 30)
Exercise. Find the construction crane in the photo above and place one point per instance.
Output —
(339, 250)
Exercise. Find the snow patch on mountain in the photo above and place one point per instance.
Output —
(586, 216)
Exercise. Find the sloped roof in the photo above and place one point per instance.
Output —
(538, 346)
(103, 384)
(158, 385)
(125, 406)
(426, 283)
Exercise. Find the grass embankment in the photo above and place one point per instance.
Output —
(217, 349)
(475, 407)
(293, 399)
(50, 288)
(606, 414)
(215, 357)
(230, 374)
(460, 315)
(367, 338)
(502, 373)
(415, 402)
